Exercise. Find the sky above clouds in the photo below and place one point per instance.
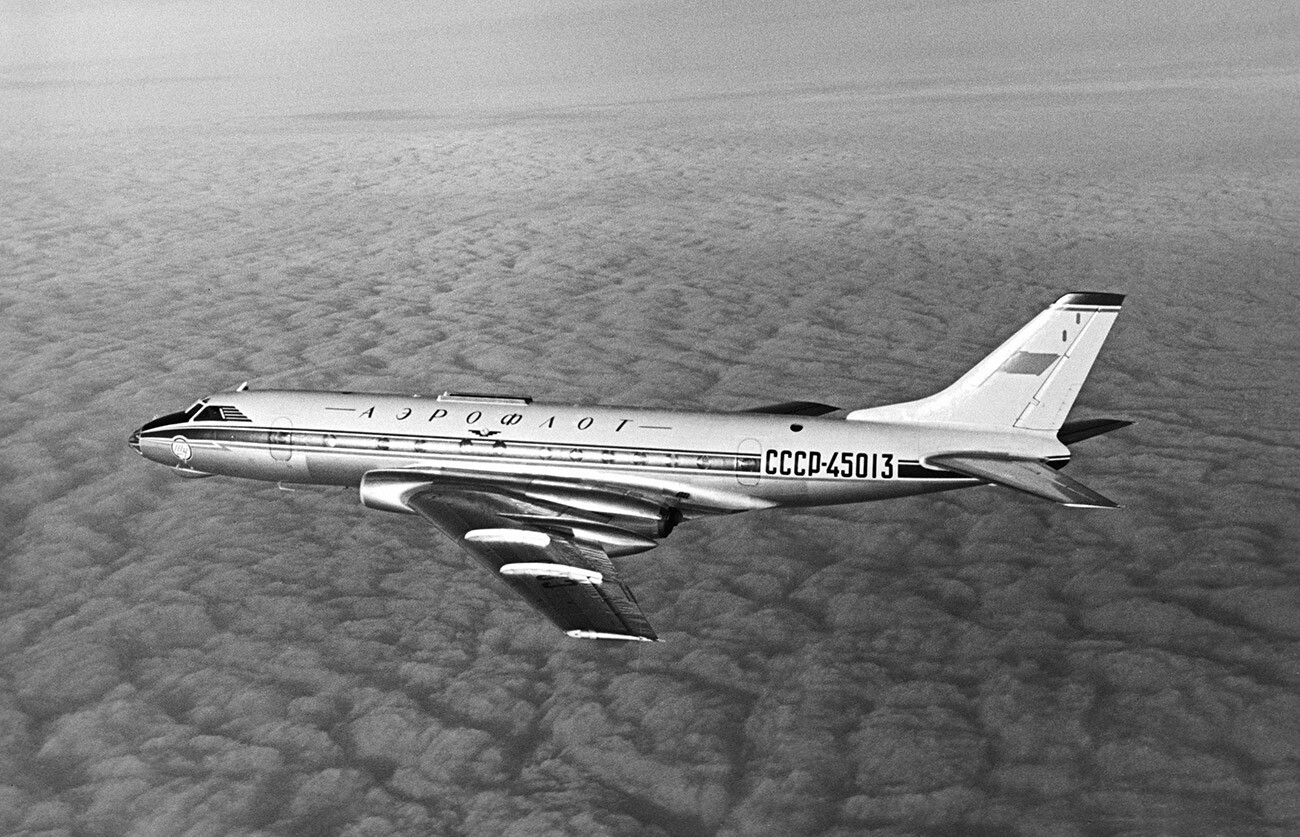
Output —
(697, 205)
(245, 56)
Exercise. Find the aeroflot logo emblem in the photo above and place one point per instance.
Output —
(181, 449)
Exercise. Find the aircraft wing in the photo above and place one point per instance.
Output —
(573, 584)
(1028, 475)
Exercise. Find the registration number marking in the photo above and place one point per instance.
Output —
(843, 463)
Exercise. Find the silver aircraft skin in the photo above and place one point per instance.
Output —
(544, 495)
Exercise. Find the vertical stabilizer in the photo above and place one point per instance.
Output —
(1030, 381)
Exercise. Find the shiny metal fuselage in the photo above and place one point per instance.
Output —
(700, 463)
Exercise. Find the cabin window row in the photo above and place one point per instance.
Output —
(485, 447)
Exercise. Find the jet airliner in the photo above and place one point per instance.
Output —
(544, 496)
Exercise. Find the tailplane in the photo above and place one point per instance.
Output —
(1028, 475)
(1030, 381)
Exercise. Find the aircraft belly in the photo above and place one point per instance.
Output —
(261, 467)
(804, 492)
(886, 491)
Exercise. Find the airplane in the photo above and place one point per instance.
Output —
(545, 495)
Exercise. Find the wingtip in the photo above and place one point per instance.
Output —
(1091, 299)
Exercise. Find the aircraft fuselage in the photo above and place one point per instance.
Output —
(698, 462)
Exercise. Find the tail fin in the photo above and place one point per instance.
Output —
(1030, 381)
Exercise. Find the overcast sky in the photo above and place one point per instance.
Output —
(704, 205)
(237, 57)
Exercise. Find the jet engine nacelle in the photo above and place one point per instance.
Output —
(619, 525)
(652, 527)
(388, 490)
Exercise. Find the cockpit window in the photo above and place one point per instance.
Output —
(220, 413)
(194, 408)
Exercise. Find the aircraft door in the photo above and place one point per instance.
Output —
(281, 440)
(748, 456)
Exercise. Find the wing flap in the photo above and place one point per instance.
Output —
(1028, 475)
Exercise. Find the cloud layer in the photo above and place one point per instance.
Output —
(215, 657)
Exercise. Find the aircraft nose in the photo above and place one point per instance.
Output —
(134, 440)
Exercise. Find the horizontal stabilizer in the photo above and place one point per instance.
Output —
(1077, 431)
(1028, 475)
